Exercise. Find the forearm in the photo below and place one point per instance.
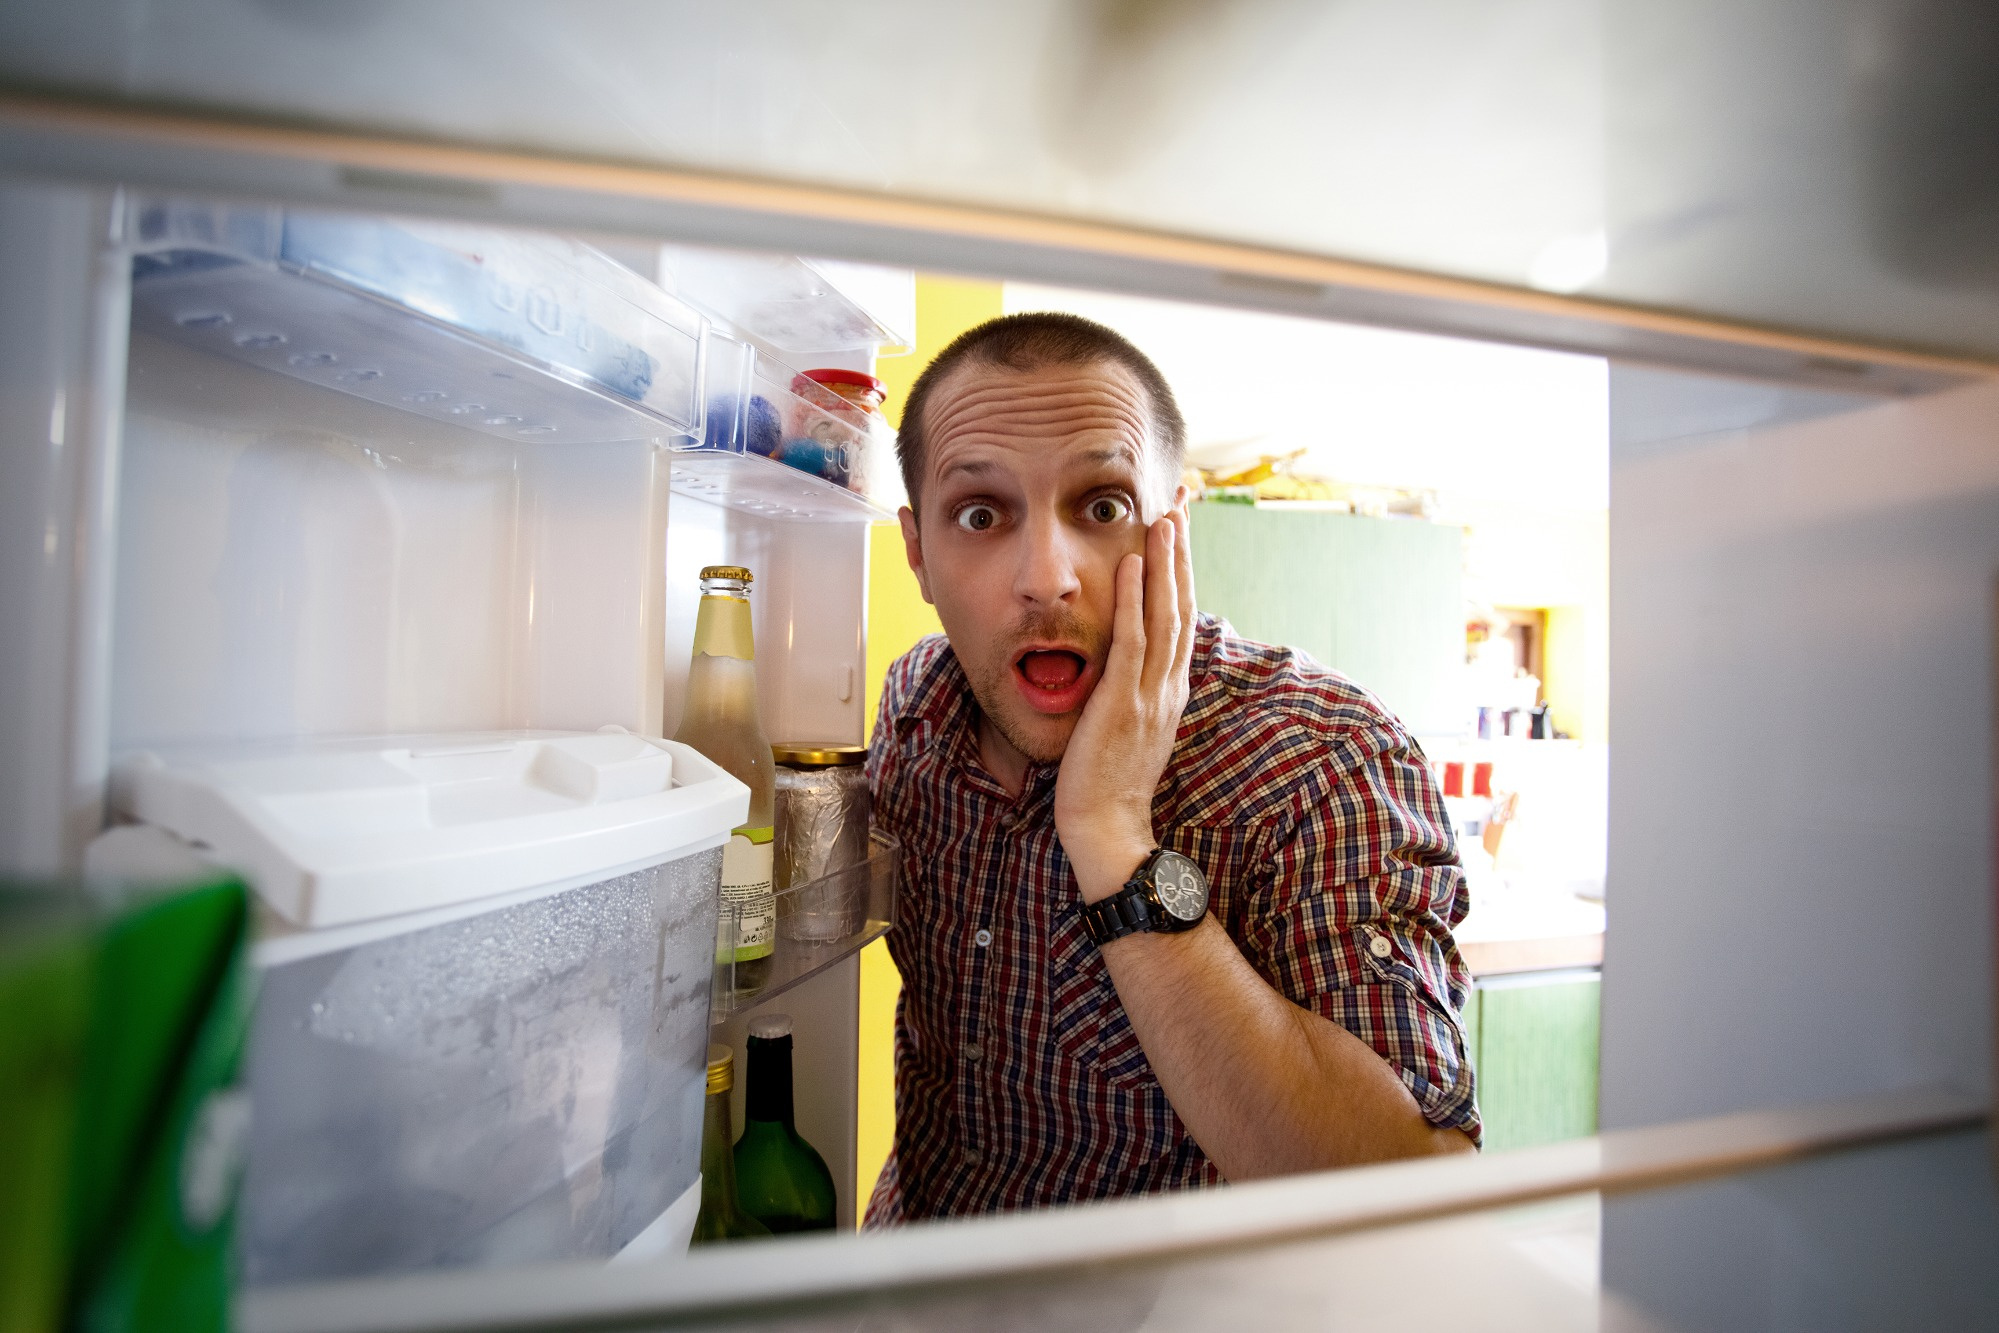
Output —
(1265, 1087)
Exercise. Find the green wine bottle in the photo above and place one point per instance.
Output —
(721, 1216)
(783, 1181)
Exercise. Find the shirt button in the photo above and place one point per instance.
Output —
(983, 938)
(1380, 947)
(970, 1156)
(975, 1052)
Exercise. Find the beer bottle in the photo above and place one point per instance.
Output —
(720, 720)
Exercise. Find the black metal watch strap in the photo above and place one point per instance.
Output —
(1129, 911)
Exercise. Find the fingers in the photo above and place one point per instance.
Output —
(1162, 604)
(1183, 569)
(1124, 665)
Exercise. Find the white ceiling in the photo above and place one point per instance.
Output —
(1832, 167)
(1488, 426)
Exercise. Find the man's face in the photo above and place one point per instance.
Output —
(1035, 485)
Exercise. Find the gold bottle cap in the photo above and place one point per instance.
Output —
(721, 1069)
(800, 754)
(736, 572)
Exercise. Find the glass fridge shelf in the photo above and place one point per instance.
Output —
(511, 334)
(819, 923)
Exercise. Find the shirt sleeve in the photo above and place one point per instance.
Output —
(1363, 893)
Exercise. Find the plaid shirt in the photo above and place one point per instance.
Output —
(1018, 1079)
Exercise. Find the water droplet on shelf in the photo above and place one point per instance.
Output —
(504, 419)
(426, 396)
(535, 430)
(312, 358)
(467, 409)
(358, 375)
(203, 319)
(260, 341)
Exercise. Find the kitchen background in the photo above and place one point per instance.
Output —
(1444, 504)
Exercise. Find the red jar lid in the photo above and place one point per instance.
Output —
(834, 375)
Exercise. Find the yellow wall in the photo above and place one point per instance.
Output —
(897, 618)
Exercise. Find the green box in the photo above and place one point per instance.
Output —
(123, 1015)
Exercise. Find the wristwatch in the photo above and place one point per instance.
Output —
(1167, 893)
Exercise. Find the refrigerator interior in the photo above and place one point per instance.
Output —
(314, 505)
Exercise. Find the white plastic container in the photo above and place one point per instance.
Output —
(485, 963)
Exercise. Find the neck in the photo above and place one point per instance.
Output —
(1000, 757)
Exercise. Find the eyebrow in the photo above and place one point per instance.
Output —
(977, 467)
(982, 467)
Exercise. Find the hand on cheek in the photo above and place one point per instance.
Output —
(1124, 739)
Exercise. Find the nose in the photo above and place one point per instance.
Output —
(1047, 575)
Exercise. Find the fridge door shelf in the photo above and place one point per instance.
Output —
(525, 337)
(754, 485)
(777, 444)
(811, 935)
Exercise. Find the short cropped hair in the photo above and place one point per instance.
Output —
(1029, 342)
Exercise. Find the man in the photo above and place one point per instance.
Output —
(1081, 1018)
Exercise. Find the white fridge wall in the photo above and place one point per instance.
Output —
(808, 607)
(62, 384)
(296, 561)
(1801, 815)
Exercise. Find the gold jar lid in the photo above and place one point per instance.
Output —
(721, 1069)
(736, 572)
(799, 754)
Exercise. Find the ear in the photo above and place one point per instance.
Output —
(912, 547)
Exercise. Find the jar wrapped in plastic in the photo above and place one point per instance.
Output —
(822, 841)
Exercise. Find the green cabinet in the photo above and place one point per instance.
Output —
(1533, 1039)
(1379, 600)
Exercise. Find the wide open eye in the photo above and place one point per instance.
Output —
(976, 517)
(1109, 508)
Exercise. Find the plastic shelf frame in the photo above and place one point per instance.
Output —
(521, 336)
(871, 886)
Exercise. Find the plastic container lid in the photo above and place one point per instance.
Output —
(335, 832)
(801, 755)
(837, 375)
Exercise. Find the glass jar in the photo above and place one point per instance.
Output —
(835, 414)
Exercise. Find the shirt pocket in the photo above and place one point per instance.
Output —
(1087, 1020)
(1090, 1026)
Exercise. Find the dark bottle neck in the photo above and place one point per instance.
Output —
(767, 1094)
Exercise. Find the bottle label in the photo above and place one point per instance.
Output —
(746, 878)
(722, 627)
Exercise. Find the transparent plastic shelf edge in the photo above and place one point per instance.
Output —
(869, 888)
(520, 336)
(753, 485)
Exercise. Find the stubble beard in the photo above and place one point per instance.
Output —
(994, 690)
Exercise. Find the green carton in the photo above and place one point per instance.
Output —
(123, 1016)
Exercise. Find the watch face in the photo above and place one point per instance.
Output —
(1181, 887)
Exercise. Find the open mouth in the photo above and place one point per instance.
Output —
(1051, 670)
(1053, 680)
